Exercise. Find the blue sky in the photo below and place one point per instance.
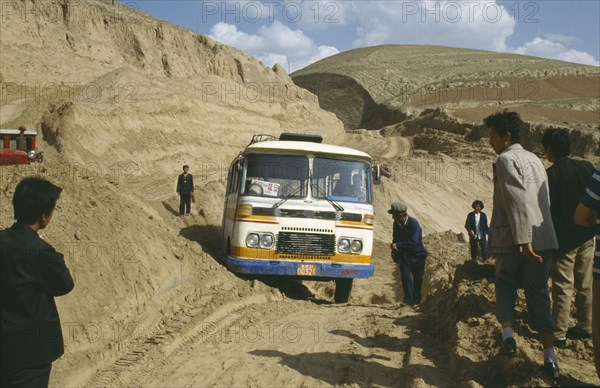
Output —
(296, 33)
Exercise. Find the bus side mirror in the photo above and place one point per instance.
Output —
(239, 162)
(376, 174)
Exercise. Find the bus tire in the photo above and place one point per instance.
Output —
(225, 251)
(343, 288)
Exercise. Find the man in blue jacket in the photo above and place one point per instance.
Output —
(32, 274)
(477, 226)
(408, 252)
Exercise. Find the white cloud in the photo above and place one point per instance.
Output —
(276, 43)
(566, 39)
(480, 24)
(555, 49)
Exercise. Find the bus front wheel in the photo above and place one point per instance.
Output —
(343, 288)
(225, 251)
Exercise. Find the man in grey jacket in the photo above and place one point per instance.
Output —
(522, 236)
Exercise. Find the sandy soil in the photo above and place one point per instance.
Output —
(153, 307)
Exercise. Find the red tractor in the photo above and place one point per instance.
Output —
(18, 147)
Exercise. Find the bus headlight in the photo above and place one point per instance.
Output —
(356, 246)
(252, 240)
(266, 241)
(344, 245)
(260, 240)
(350, 245)
(32, 155)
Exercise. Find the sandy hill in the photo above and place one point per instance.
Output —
(122, 101)
(378, 86)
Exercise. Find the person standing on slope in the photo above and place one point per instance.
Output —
(522, 237)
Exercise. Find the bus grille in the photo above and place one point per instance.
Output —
(306, 243)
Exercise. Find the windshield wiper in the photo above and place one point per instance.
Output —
(336, 205)
(290, 195)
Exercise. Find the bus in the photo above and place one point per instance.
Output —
(299, 208)
(11, 154)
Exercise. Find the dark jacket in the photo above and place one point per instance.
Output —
(409, 241)
(483, 224)
(567, 180)
(185, 185)
(32, 273)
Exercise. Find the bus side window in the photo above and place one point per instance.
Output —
(2, 143)
(12, 143)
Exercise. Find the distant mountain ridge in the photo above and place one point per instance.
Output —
(377, 86)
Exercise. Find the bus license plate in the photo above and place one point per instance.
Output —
(306, 270)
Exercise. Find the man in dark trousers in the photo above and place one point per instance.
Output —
(185, 189)
(522, 237)
(32, 273)
(408, 252)
(587, 213)
(572, 266)
(477, 226)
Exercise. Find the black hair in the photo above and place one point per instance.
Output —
(477, 202)
(33, 197)
(557, 139)
(185, 165)
(506, 122)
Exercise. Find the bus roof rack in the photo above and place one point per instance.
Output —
(300, 137)
(261, 137)
(7, 131)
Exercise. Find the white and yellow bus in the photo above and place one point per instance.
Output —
(297, 207)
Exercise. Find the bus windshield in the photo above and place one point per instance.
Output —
(341, 180)
(276, 176)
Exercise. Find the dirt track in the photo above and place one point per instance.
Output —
(299, 338)
(277, 333)
(152, 306)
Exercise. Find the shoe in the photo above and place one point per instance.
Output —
(551, 369)
(560, 343)
(574, 333)
(509, 346)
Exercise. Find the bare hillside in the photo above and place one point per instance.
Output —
(378, 86)
(122, 100)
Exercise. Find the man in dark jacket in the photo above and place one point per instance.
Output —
(572, 266)
(22, 139)
(32, 273)
(185, 189)
(408, 252)
(477, 226)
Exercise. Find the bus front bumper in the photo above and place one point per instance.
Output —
(301, 269)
